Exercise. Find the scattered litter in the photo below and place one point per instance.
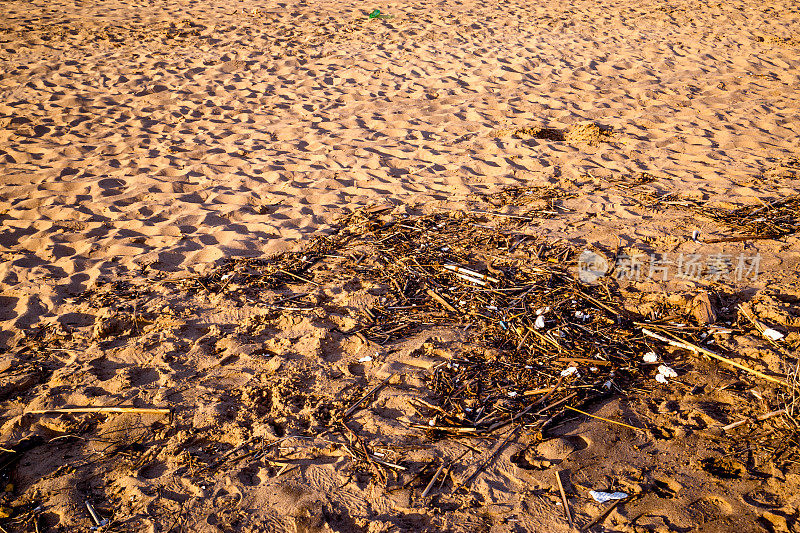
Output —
(603, 497)
(539, 323)
(365, 359)
(650, 357)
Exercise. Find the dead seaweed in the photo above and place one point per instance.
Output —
(778, 218)
(538, 336)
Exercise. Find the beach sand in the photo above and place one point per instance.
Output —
(150, 141)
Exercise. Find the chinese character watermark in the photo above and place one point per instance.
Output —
(662, 267)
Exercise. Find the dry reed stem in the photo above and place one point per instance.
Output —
(604, 419)
(84, 410)
(564, 500)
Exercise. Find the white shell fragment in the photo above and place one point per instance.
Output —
(664, 373)
(603, 497)
(667, 372)
(773, 334)
(569, 371)
(650, 357)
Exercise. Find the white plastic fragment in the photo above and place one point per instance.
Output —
(539, 324)
(660, 378)
(650, 357)
(512, 394)
(773, 334)
(365, 359)
(603, 497)
(569, 371)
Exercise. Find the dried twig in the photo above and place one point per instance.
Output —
(759, 418)
(564, 500)
(602, 516)
(79, 410)
(488, 460)
(372, 391)
(604, 419)
(432, 481)
(444, 303)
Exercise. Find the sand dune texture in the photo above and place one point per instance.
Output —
(144, 143)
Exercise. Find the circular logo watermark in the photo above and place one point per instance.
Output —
(591, 267)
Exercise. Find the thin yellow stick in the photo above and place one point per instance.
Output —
(604, 419)
(141, 410)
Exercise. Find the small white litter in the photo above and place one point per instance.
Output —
(365, 359)
(569, 371)
(603, 497)
(773, 334)
(539, 324)
(650, 357)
